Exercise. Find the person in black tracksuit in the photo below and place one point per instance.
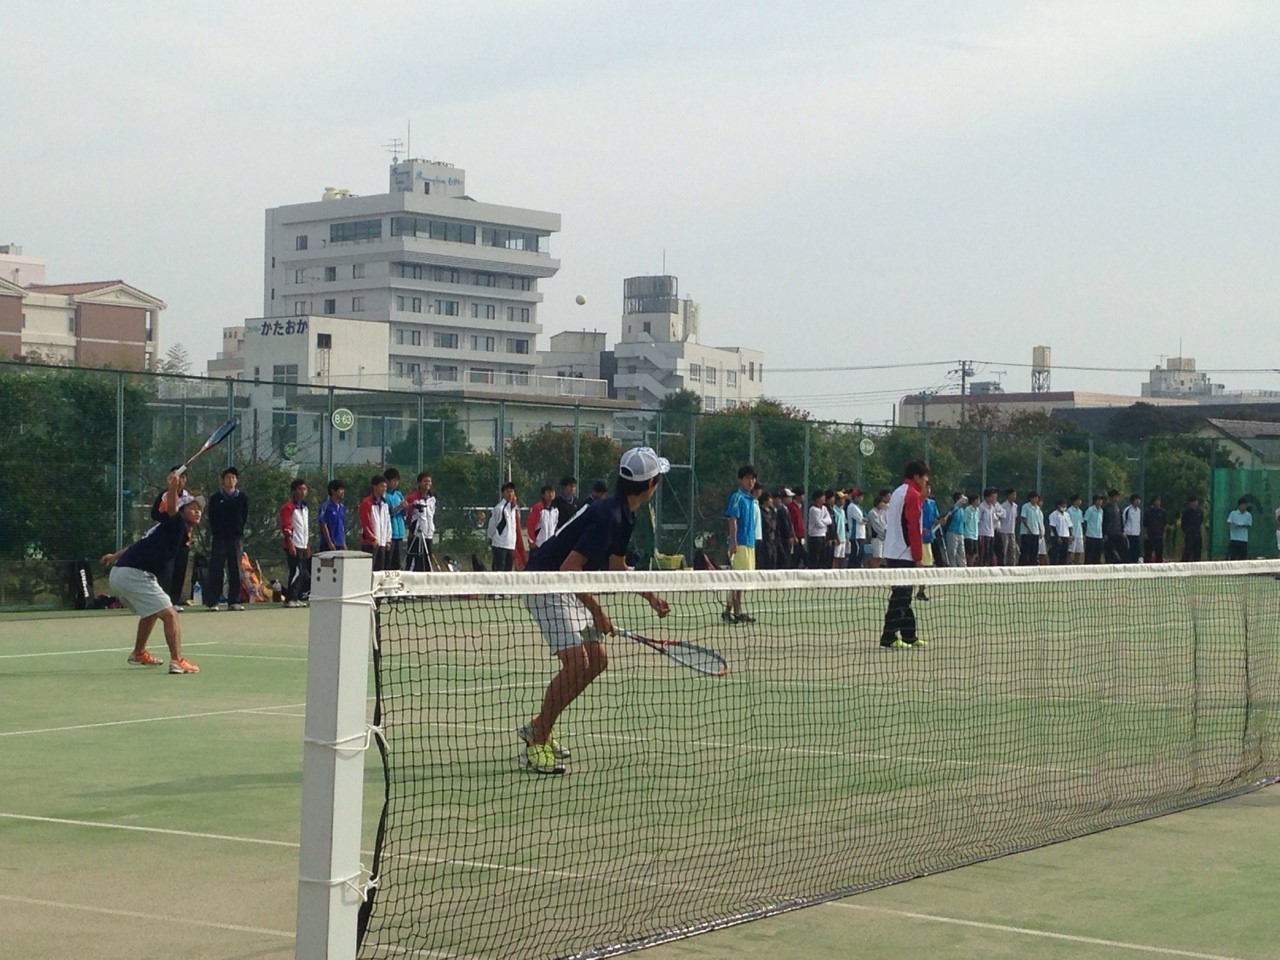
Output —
(228, 512)
(1116, 545)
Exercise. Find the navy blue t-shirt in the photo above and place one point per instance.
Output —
(598, 531)
(158, 546)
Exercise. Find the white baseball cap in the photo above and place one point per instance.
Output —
(187, 499)
(641, 463)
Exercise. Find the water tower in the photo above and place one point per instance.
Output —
(1039, 369)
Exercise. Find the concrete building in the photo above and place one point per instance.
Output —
(576, 353)
(660, 351)
(1178, 378)
(105, 323)
(455, 281)
(949, 409)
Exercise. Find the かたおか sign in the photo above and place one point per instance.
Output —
(288, 327)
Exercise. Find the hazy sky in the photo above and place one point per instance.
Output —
(837, 183)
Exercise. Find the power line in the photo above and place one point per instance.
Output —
(1007, 363)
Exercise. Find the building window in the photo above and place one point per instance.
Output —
(751, 370)
(330, 274)
(284, 379)
(357, 304)
(480, 375)
(731, 378)
(708, 403)
(711, 375)
(433, 229)
(324, 341)
(518, 378)
(299, 276)
(409, 304)
(441, 275)
(482, 343)
(300, 242)
(445, 341)
(518, 314)
(415, 338)
(695, 372)
(447, 308)
(517, 345)
(440, 372)
(300, 308)
(355, 230)
(273, 296)
(645, 327)
(485, 311)
(486, 280)
(357, 271)
(410, 271)
(330, 307)
(512, 240)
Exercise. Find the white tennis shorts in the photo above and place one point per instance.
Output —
(877, 547)
(841, 549)
(1077, 545)
(139, 589)
(564, 620)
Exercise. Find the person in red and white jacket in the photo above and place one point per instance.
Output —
(904, 547)
(375, 523)
(295, 528)
(543, 519)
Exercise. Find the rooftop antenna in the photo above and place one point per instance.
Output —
(394, 146)
(408, 138)
(664, 261)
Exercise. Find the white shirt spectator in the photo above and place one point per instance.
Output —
(989, 515)
(878, 521)
(422, 517)
(1008, 521)
(1132, 519)
(858, 522)
(503, 520)
(819, 521)
(548, 521)
(1060, 520)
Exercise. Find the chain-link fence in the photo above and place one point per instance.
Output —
(85, 451)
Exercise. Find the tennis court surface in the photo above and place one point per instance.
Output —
(147, 815)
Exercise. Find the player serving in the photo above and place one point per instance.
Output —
(575, 625)
(138, 569)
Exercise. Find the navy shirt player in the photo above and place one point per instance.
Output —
(139, 568)
(574, 624)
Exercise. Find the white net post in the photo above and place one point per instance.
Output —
(330, 877)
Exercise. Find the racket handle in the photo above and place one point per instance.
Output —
(181, 471)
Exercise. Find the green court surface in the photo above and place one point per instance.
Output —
(144, 815)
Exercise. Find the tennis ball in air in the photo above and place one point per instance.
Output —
(579, 299)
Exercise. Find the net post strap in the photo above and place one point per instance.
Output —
(362, 883)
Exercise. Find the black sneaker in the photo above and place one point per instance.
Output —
(728, 616)
(744, 618)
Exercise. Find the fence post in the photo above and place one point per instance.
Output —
(231, 412)
(1089, 488)
(577, 439)
(857, 472)
(500, 441)
(119, 459)
(1040, 462)
(926, 443)
(693, 487)
(329, 458)
(421, 429)
(751, 440)
(808, 431)
(382, 454)
(1142, 472)
(985, 435)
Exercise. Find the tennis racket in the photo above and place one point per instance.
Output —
(215, 438)
(686, 654)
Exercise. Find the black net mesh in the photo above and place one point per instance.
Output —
(821, 764)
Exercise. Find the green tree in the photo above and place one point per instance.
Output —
(442, 434)
(546, 455)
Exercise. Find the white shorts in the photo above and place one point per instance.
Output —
(139, 589)
(564, 620)
(841, 550)
(1077, 545)
(877, 547)
(1044, 550)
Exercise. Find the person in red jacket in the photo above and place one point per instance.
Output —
(795, 513)
(295, 528)
(543, 518)
(375, 523)
(904, 547)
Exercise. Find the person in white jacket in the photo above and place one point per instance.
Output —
(504, 522)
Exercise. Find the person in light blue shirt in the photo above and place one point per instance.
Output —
(1031, 525)
(1093, 540)
(395, 503)
(954, 525)
(741, 511)
(971, 529)
(1239, 522)
(1075, 550)
(928, 520)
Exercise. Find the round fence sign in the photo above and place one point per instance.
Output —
(343, 419)
(290, 450)
(867, 447)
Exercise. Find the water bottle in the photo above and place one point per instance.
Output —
(197, 595)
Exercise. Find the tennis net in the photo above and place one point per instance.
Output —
(1048, 703)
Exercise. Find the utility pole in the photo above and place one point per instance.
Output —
(965, 369)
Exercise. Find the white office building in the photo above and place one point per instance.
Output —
(455, 280)
(660, 352)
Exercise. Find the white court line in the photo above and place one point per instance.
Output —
(79, 653)
(167, 919)
(250, 656)
(1049, 935)
(134, 828)
(121, 723)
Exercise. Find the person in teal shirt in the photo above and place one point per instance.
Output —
(1075, 551)
(971, 530)
(1239, 521)
(395, 503)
